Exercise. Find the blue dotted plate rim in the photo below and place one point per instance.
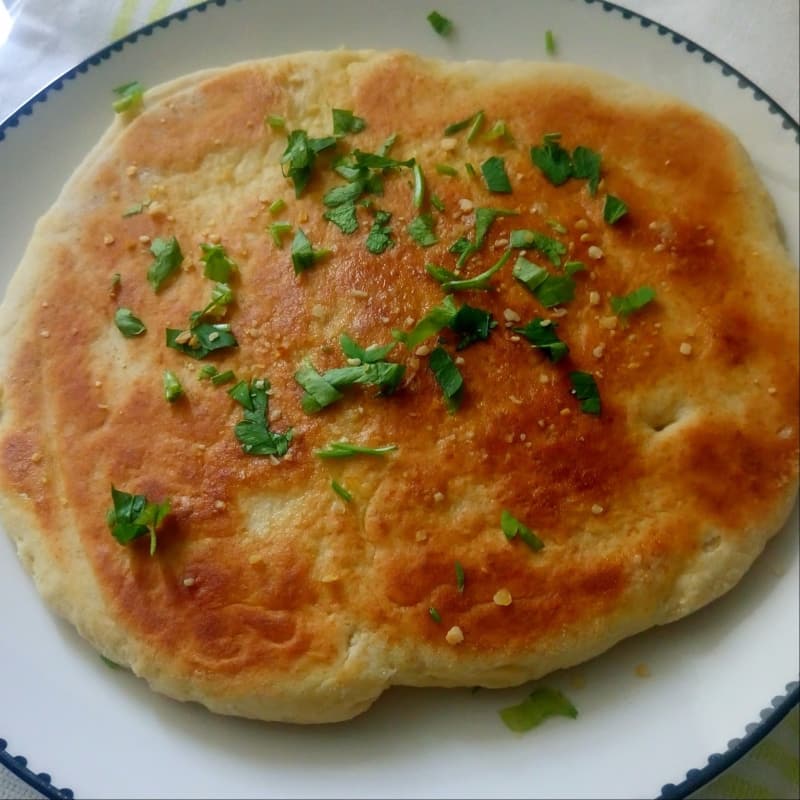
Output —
(780, 706)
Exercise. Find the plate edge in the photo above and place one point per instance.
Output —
(41, 781)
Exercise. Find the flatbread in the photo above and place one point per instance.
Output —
(269, 595)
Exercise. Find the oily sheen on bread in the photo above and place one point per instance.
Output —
(269, 594)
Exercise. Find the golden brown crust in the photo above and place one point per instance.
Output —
(268, 596)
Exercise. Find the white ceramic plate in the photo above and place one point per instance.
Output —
(103, 732)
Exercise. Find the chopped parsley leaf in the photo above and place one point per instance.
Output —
(304, 256)
(341, 491)
(442, 25)
(498, 131)
(470, 170)
(210, 372)
(172, 386)
(218, 266)
(136, 208)
(323, 390)
(495, 175)
(437, 318)
(299, 156)
(512, 528)
(345, 450)
(585, 389)
(484, 217)
(628, 304)
(379, 237)
(128, 324)
(276, 206)
(275, 121)
(446, 169)
(344, 217)
(168, 257)
(202, 339)
(571, 267)
(547, 246)
(536, 708)
(133, 515)
(367, 355)
(437, 202)
(348, 193)
(556, 225)
(473, 324)
(253, 430)
(545, 338)
(448, 377)
(460, 578)
(586, 164)
(457, 127)
(435, 615)
(419, 185)
(614, 209)
(276, 231)
(549, 43)
(553, 160)
(421, 230)
(477, 283)
(388, 144)
(475, 128)
(549, 290)
(378, 161)
(129, 96)
(221, 298)
(345, 121)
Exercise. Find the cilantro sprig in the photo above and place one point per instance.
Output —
(128, 324)
(541, 704)
(133, 516)
(542, 334)
(550, 290)
(129, 97)
(512, 528)
(253, 431)
(448, 377)
(218, 265)
(632, 302)
(168, 257)
(346, 450)
(584, 387)
(300, 155)
(558, 166)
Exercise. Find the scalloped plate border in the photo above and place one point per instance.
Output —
(780, 705)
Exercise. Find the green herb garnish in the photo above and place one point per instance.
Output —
(347, 193)
(442, 25)
(446, 169)
(571, 267)
(276, 206)
(344, 217)
(172, 386)
(276, 231)
(456, 127)
(419, 185)
(421, 230)
(586, 164)
(345, 450)
(495, 175)
(367, 355)
(299, 156)
(253, 430)
(448, 377)
(460, 578)
(551, 248)
(379, 237)
(475, 128)
(133, 515)
(129, 96)
(218, 266)
(542, 334)
(473, 325)
(221, 298)
(435, 615)
(275, 121)
(109, 663)
(512, 528)
(537, 707)
(451, 283)
(304, 256)
(168, 257)
(345, 121)
(437, 318)
(614, 209)
(136, 208)
(630, 303)
(585, 389)
(498, 131)
(128, 324)
(470, 170)
(550, 43)
(437, 202)
(202, 339)
(341, 491)
(553, 160)
(549, 290)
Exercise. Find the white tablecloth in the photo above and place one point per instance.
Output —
(40, 39)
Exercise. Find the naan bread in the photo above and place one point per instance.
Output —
(268, 596)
